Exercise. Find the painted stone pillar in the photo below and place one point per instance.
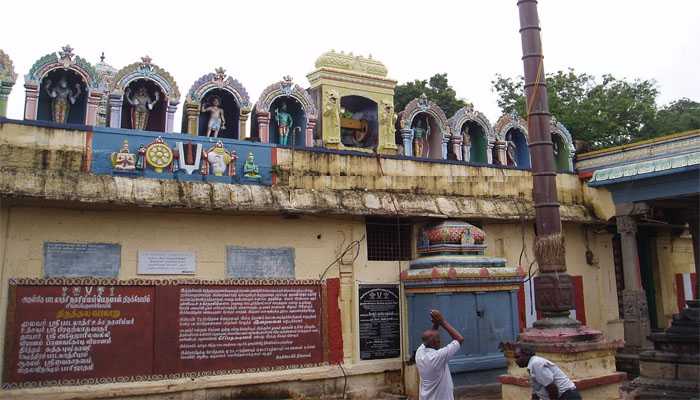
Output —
(31, 101)
(501, 152)
(445, 141)
(457, 146)
(5, 90)
(115, 110)
(170, 116)
(263, 121)
(192, 117)
(93, 104)
(466, 149)
(242, 122)
(309, 137)
(407, 139)
(489, 152)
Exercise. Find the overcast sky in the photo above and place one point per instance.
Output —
(258, 42)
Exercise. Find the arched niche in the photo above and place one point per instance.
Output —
(155, 80)
(471, 133)
(233, 99)
(563, 147)
(421, 110)
(510, 142)
(8, 77)
(265, 126)
(62, 87)
(156, 117)
(359, 125)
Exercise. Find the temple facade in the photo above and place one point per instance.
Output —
(296, 262)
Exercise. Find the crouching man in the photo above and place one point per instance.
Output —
(547, 380)
(431, 360)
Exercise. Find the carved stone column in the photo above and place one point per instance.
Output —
(192, 114)
(31, 101)
(93, 103)
(170, 116)
(242, 121)
(5, 89)
(501, 152)
(263, 121)
(309, 137)
(115, 110)
(457, 146)
(445, 141)
(636, 314)
(407, 138)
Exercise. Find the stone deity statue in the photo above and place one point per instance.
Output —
(420, 134)
(217, 121)
(250, 169)
(331, 111)
(510, 154)
(142, 105)
(124, 160)
(62, 97)
(466, 143)
(284, 124)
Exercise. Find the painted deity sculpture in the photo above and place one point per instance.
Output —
(218, 161)
(141, 106)
(331, 110)
(284, 124)
(217, 122)
(510, 151)
(124, 160)
(420, 133)
(62, 97)
(466, 143)
(250, 169)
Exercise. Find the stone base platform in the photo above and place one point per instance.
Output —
(582, 353)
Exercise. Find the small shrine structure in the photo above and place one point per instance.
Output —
(472, 135)
(424, 129)
(143, 96)
(8, 77)
(355, 100)
(62, 88)
(216, 105)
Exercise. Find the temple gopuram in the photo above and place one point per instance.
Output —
(291, 245)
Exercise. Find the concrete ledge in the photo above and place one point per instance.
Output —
(84, 188)
(141, 388)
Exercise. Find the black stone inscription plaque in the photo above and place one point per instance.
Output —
(380, 326)
(247, 262)
(81, 259)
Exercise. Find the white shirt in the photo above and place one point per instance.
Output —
(435, 378)
(542, 373)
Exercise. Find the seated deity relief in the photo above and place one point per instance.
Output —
(124, 159)
(250, 168)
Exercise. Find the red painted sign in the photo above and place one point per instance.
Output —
(68, 333)
(78, 332)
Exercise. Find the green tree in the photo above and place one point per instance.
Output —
(603, 113)
(437, 89)
(678, 116)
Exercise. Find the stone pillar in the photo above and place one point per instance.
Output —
(31, 101)
(5, 89)
(407, 138)
(347, 310)
(170, 116)
(93, 104)
(466, 149)
(457, 146)
(115, 110)
(445, 141)
(489, 152)
(242, 122)
(263, 121)
(192, 117)
(501, 152)
(309, 137)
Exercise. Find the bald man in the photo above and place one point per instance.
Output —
(431, 360)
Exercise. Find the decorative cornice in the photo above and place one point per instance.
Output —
(423, 105)
(8, 77)
(145, 69)
(218, 80)
(64, 59)
(349, 62)
(644, 169)
(469, 113)
(286, 87)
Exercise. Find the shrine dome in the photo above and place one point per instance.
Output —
(349, 62)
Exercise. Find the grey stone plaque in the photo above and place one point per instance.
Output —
(82, 259)
(247, 262)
